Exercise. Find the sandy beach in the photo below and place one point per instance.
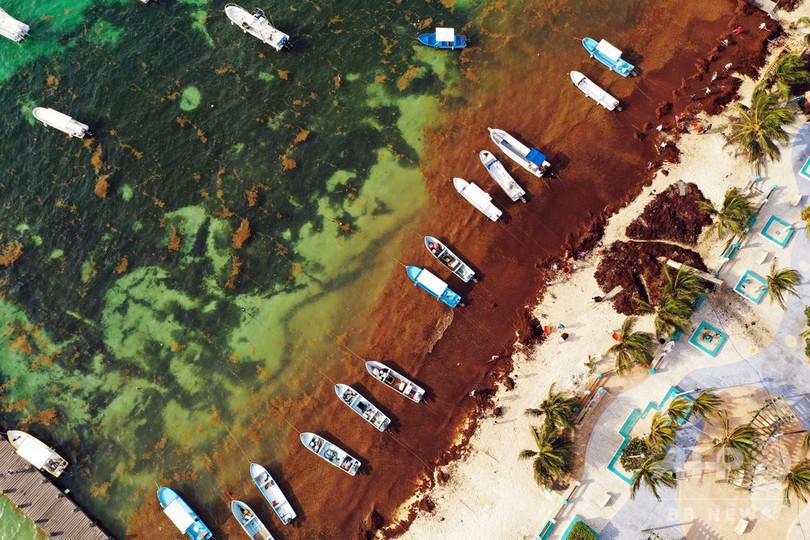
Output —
(488, 492)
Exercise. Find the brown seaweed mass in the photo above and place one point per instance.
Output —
(672, 216)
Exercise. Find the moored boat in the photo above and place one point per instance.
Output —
(608, 55)
(269, 488)
(12, 28)
(443, 38)
(61, 121)
(362, 406)
(434, 285)
(249, 522)
(449, 259)
(531, 159)
(37, 453)
(330, 453)
(257, 25)
(394, 380)
(182, 515)
(593, 91)
(477, 197)
(501, 176)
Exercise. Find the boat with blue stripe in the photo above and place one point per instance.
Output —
(182, 515)
(531, 159)
(610, 56)
(269, 488)
(435, 286)
(443, 38)
(249, 522)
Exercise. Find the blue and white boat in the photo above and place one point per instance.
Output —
(501, 176)
(182, 515)
(450, 260)
(444, 38)
(269, 488)
(331, 453)
(531, 159)
(432, 284)
(609, 55)
(12, 28)
(249, 522)
(363, 407)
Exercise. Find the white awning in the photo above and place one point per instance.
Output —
(431, 282)
(445, 34)
(34, 452)
(179, 515)
(609, 50)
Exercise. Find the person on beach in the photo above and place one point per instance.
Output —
(563, 337)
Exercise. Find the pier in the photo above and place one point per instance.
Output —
(34, 495)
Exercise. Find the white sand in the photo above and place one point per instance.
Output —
(490, 493)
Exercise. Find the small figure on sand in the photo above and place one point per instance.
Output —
(563, 337)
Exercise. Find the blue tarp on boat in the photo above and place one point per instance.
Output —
(536, 157)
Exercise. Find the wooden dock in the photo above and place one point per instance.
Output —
(34, 495)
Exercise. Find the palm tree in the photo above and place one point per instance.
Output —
(554, 457)
(797, 481)
(781, 282)
(662, 433)
(786, 72)
(682, 285)
(671, 315)
(558, 408)
(679, 409)
(743, 439)
(756, 130)
(655, 473)
(707, 405)
(734, 216)
(631, 346)
(805, 216)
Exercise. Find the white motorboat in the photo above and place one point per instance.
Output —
(593, 91)
(362, 406)
(477, 197)
(273, 494)
(531, 159)
(257, 25)
(12, 28)
(37, 453)
(392, 379)
(330, 453)
(62, 122)
(501, 176)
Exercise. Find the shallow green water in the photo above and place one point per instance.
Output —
(140, 331)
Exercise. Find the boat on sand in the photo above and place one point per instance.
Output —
(249, 521)
(449, 259)
(593, 91)
(531, 159)
(182, 515)
(477, 197)
(395, 381)
(363, 407)
(257, 25)
(37, 453)
(330, 453)
(269, 488)
(501, 176)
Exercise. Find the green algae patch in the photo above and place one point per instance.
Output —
(264, 76)
(190, 98)
(57, 253)
(199, 17)
(103, 33)
(127, 192)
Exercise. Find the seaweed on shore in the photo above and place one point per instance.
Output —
(672, 216)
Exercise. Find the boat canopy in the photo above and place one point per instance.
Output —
(446, 34)
(536, 157)
(431, 282)
(179, 515)
(609, 50)
(34, 452)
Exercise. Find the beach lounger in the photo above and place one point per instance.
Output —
(604, 499)
(796, 200)
(762, 255)
(741, 527)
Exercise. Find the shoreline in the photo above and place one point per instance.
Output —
(442, 503)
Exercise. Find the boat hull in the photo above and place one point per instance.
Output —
(612, 62)
(272, 492)
(37, 453)
(332, 454)
(460, 42)
(593, 91)
(530, 159)
(501, 176)
(477, 197)
(61, 121)
(362, 406)
(11, 28)
(182, 515)
(395, 381)
(249, 522)
(432, 284)
(450, 260)
(257, 25)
